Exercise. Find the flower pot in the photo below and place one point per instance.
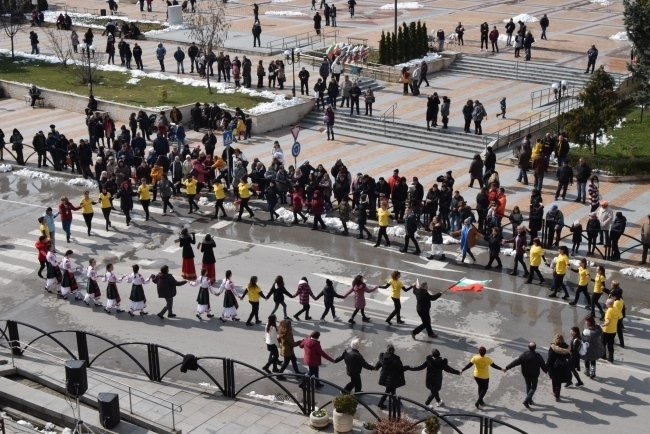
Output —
(368, 431)
(424, 431)
(342, 422)
(317, 422)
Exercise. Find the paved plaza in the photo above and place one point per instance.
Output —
(504, 317)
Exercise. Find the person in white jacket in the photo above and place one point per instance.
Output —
(337, 69)
(605, 216)
(272, 344)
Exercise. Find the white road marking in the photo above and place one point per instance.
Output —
(4, 281)
(171, 249)
(433, 265)
(74, 238)
(16, 268)
(19, 254)
(22, 203)
(221, 224)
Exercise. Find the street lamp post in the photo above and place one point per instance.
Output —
(89, 53)
(290, 58)
(559, 89)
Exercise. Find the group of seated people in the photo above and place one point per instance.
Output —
(64, 22)
(37, 18)
(128, 30)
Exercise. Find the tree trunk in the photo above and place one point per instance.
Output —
(594, 143)
(641, 120)
(13, 57)
(207, 76)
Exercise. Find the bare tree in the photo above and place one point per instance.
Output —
(209, 28)
(62, 49)
(12, 19)
(84, 68)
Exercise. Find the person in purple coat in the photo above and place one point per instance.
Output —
(360, 289)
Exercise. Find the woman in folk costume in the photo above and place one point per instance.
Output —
(53, 271)
(137, 297)
(230, 304)
(112, 295)
(69, 283)
(185, 240)
(203, 299)
(92, 288)
(207, 248)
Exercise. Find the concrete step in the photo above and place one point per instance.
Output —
(374, 126)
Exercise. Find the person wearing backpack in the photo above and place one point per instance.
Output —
(478, 114)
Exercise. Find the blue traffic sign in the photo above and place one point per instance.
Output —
(295, 149)
(227, 138)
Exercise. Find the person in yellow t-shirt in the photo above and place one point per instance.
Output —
(583, 281)
(254, 293)
(610, 325)
(190, 187)
(383, 214)
(395, 292)
(244, 189)
(482, 365)
(220, 195)
(144, 191)
(45, 231)
(617, 294)
(105, 202)
(561, 265)
(87, 212)
(536, 255)
(599, 284)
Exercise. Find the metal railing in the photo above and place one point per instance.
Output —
(9, 338)
(514, 131)
(548, 96)
(31, 349)
(390, 112)
(305, 39)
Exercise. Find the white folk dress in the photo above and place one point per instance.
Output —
(229, 300)
(137, 297)
(203, 298)
(92, 288)
(69, 283)
(53, 271)
(112, 294)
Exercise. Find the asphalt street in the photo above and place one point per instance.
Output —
(504, 317)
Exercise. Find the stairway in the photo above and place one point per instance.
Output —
(399, 133)
(526, 71)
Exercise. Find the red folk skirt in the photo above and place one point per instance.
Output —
(188, 271)
(210, 271)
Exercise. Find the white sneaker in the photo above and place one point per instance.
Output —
(164, 214)
(323, 320)
(336, 318)
(441, 404)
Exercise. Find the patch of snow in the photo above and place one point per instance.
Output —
(38, 175)
(269, 398)
(285, 13)
(620, 36)
(281, 1)
(510, 252)
(5, 168)
(600, 2)
(86, 183)
(524, 18)
(642, 273)
(413, 62)
(85, 20)
(133, 80)
(407, 5)
(167, 29)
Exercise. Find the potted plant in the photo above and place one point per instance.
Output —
(397, 426)
(431, 425)
(369, 428)
(345, 406)
(319, 419)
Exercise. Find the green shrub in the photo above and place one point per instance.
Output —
(432, 425)
(346, 404)
(42, 5)
(617, 166)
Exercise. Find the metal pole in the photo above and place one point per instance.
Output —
(293, 69)
(90, 71)
(395, 34)
(130, 403)
(559, 107)
(173, 419)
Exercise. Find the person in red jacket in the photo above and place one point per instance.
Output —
(312, 356)
(65, 212)
(304, 291)
(296, 205)
(318, 208)
(42, 245)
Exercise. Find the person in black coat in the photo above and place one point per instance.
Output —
(329, 294)
(354, 364)
(126, 200)
(616, 231)
(423, 308)
(558, 364)
(391, 375)
(435, 365)
(166, 285)
(531, 363)
(490, 159)
(278, 291)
